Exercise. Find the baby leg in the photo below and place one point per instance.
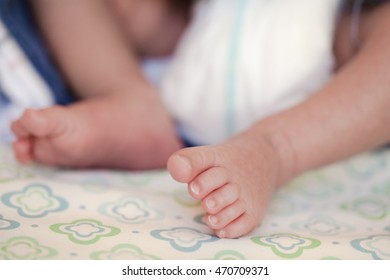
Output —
(234, 181)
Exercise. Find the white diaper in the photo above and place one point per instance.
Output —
(242, 60)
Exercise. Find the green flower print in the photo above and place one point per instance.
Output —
(370, 208)
(85, 231)
(287, 245)
(229, 255)
(25, 248)
(123, 252)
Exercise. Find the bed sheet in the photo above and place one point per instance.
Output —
(338, 212)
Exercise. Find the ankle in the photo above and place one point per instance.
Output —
(282, 151)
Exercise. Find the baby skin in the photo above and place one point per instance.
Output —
(89, 134)
(235, 180)
(120, 122)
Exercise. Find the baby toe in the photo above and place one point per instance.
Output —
(220, 198)
(44, 123)
(239, 227)
(22, 150)
(208, 181)
(226, 216)
(188, 163)
(18, 129)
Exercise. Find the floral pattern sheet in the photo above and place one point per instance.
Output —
(338, 212)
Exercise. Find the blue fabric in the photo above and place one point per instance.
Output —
(17, 16)
(3, 99)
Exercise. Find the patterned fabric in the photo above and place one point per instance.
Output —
(339, 212)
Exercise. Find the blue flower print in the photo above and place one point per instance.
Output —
(184, 239)
(35, 201)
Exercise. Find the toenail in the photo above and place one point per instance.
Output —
(184, 161)
(213, 220)
(195, 188)
(211, 203)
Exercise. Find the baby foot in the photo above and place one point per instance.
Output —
(234, 181)
(51, 136)
(102, 132)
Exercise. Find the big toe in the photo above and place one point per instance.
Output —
(186, 164)
(43, 123)
(179, 166)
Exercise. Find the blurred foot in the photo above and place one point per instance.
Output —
(119, 131)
